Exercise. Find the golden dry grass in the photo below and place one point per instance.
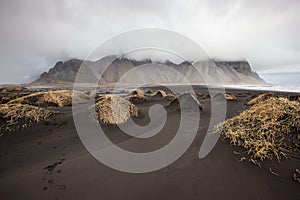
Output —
(159, 93)
(296, 175)
(19, 116)
(229, 96)
(9, 93)
(259, 98)
(163, 94)
(268, 129)
(137, 99)
(6, 97)
(170, 97)
(203, 95)
(137, 96)
(185, 101)
(58, 98)
(13, 89)
(138, 92)
(294, 97)
(113, 109)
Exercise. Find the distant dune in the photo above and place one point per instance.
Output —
(147, 71)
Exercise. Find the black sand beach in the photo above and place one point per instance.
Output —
(50, 162)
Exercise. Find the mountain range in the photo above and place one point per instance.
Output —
(112, 69)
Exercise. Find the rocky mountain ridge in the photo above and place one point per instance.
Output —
(136, 71)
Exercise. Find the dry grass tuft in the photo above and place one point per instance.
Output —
(6, 97)
(138, 92)
(296, 176)
(18, 116)
(137, 96)
(260, 98)
(268, 129)
(137, 99)
(186, 101)
(203, 95)
(159, 93)
(9, 93)
(170, 97)
(163, 94)
(295, 97)
(58, 98)
(226, 96)
(13, 89)
(229, 97)
(113, 109)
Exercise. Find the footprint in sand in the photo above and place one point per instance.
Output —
(49, 176)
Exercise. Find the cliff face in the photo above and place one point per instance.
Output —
(231, 72)
(242, 67)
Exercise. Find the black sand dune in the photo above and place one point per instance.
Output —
(50, 162)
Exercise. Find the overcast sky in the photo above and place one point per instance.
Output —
(35, 34)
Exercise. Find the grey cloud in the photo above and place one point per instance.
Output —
(35, 34)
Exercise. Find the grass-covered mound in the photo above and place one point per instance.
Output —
(203, 95)
(163, 94)
(13, 89)
(186, 101)
(269, 129)
(137, 99)
(113, 109)
(159, 93)
(225, 96)
(229, 97)
(7, 97)
(138, 92)
(137, 96)
(259, 98)
(9, 93)
(18, 116)
(58, 98)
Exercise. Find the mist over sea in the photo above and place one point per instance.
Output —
(288, 82)
(288, 79)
